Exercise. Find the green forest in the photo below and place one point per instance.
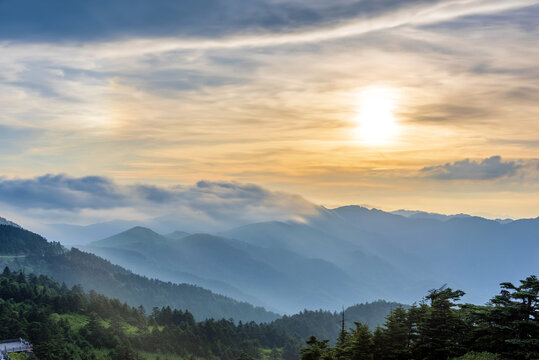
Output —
(41, 257)
(140, 318)
(439, 329)
(74, 267)
(65, 323)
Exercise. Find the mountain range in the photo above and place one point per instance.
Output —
(27, 251)
(334, 258)
(30, 252)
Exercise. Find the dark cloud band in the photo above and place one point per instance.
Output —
(68, 20)
(486, 169)
(220, 201)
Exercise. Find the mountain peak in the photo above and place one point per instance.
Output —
(137, 234)
(138, 230)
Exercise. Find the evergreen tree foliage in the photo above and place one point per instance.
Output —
(64, 323)
(317, 350)
(440, 329)
(37, 255)
(361, 343)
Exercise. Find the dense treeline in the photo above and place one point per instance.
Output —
(65, 323)
(16, 241)
(327, 325)
(74, 267)
(438, 329)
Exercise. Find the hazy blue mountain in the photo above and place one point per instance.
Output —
(311, 241)
(415, 214)
(70, 235)
(401, 257)
(504, 221)
(22, 249)
(276, 278)
(327, 325)
(177, 235)
(338, 257)
(148, 253)
(74, 235)
(469, 252)
(377, 269)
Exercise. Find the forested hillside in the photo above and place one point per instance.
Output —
(439, 329)
(327, 325)
(64, 323)
(270, 277)
(18, 242)
(331, 258)
(36, 255)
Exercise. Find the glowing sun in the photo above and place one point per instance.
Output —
(376, 121)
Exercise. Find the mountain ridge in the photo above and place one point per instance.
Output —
(381, 254)
(77, 267)
(232, 262)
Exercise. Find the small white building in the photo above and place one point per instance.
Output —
(14, 345)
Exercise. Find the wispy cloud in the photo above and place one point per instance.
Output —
(268, 94)
(285, 24)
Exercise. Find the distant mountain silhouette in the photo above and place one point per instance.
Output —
(22, 249)
(276, 278)
(334, 257)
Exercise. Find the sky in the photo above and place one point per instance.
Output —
(111, 109)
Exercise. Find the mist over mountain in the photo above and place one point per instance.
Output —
(272, 277)
(7, 222)
(332, 258)
(30, 252)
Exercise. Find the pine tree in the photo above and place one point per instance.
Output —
(511, 326)
(361, 343)
(380, 344)
(6, 272)
(397, 335)
(441, 329)
(317, 350)
(291, 351)
(342, 348)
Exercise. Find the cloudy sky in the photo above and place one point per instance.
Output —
(417, 104)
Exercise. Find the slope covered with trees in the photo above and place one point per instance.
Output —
(438, 329)
(327, 325)
(64, 323)
(18, 242)
(76, 267)
(270, 277)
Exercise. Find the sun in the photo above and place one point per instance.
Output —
(377, 124)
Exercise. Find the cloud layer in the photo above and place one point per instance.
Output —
(267, 92)
(486, 169)
(211, 204)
